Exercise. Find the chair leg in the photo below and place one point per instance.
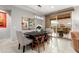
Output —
(32, 45)
(43, 46)
(19, 46)
(38, 47)
(23, 49)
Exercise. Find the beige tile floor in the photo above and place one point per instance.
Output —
(56, 45)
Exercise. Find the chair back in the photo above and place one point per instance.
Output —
(43, 38)
(75, 40)
(22, 39)
(49, 30)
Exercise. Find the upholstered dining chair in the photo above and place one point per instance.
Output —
(49, 31)
(75, 40)
(42, 41)
(22, 40)
(49, 35)
(35, 43)
(39, 42)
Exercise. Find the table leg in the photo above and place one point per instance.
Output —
(38, 47)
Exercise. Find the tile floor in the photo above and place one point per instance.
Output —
(56, 45)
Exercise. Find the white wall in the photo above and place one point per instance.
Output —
(75, 19)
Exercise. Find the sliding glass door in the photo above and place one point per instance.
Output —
(61, 26)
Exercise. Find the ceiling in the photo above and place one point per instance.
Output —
(44, 9)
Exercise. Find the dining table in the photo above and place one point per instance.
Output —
(32, 35)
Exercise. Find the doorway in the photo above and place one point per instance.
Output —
(61, 25)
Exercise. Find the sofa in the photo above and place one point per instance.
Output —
(75, 40)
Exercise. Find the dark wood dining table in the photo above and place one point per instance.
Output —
(34, 34)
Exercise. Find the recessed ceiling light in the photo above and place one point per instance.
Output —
(39, 5)
(2, 10)
(52, 6)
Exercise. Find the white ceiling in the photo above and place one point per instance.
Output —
(44, 10)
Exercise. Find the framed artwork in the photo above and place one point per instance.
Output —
(24, 23)
(27, 23)
(31, 23)
(2, 20)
